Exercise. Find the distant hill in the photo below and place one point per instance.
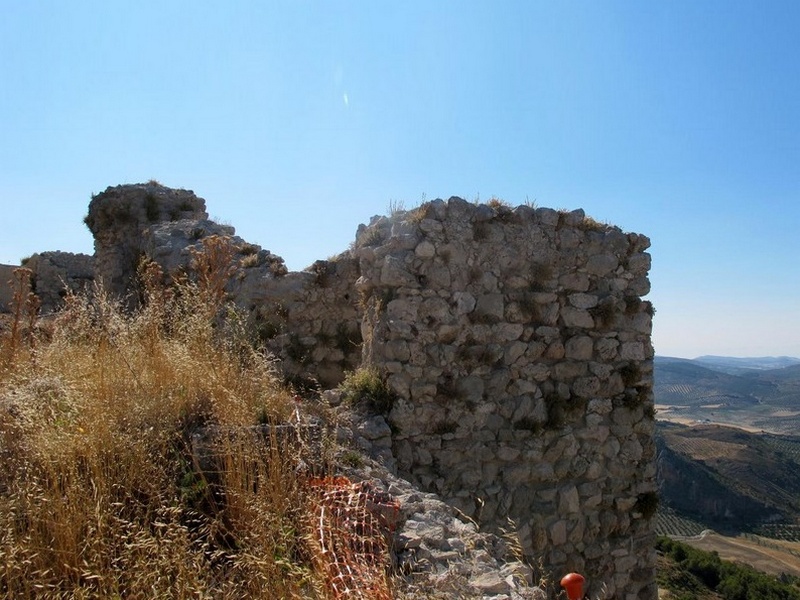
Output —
(707, 390)
(722, 463)
(737, 365)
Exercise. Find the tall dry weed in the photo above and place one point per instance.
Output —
(101, 495)
(19, 336)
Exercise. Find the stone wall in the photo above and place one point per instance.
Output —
(519, 349)
(308, 319)
(118, 218)
(515, 340)
(53, 275)
(57, 273)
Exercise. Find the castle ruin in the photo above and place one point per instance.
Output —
(515, 340)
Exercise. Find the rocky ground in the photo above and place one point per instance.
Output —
(438, 552)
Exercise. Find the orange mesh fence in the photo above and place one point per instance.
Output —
(352, 531)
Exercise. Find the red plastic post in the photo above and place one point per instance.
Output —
(573, 584)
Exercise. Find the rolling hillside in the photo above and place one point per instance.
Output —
(706, 391)
(730, 479)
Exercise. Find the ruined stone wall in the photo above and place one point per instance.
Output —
(55, 274)
(516, 342)
(519, 349)
(118, 218)
(308, 319)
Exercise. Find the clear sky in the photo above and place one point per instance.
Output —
(298, 120)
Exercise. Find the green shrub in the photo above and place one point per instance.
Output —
(151, 207)
(365, 388)
(647, 504)
(730, 581)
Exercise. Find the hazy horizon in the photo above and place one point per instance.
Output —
(296, 121)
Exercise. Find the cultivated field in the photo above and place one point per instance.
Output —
(760, 554)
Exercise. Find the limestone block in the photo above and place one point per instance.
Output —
(576, 536)
(594, 551)
(547, 216)
(632, 351)
(568, 370)
(420, 390)
(574, 218)
(602, 370)
(598, 433)
(586, 387)
(583, 301)
(624, 418)
(600, 406)
(430, 226)
(579, 347)
(569, 238)
(524, 406)
(395, 273)
(639, 264)
(601, 264)
(490, 306)
(374, 428)
(542, 472)
(423, 456)
(508, 453)
(402, 311)
(555, 350)
(535, 371)
(611, 448)
(425, 250)
(514, 351)
(596, 470)
(568, 500)
(489, 583)
(508, 332)
(631, 450)
(577, 282)
(434, 308)
(465, 302)
(548, 334)
(639, 286)
(576, 317)
(500, 378)
(558, 533)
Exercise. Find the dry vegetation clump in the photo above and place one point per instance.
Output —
(100, 493)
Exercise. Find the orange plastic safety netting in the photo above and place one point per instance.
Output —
(352, 534)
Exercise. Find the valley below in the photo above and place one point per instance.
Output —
(729, 458)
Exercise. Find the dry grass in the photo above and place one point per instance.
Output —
(100, 494)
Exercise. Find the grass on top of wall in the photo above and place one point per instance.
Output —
(99, 493)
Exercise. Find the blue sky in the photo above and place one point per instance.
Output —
(298, 120)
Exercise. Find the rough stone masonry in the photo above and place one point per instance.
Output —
(518, 346)
(515, 340)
